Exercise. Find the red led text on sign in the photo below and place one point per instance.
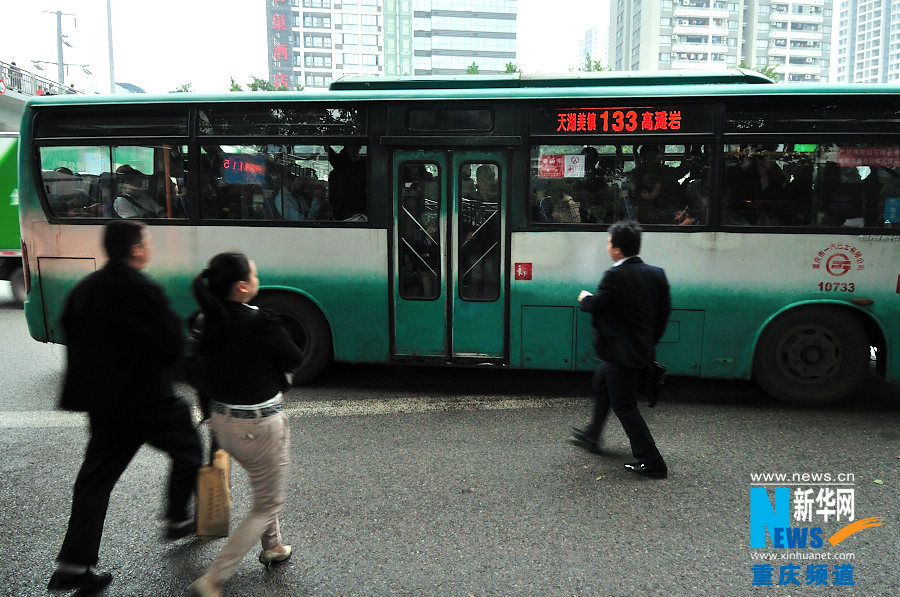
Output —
(625, 120)
(242, 166)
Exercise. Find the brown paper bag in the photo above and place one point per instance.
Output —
(214, 497)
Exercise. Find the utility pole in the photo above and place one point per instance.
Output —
(60, 65)
(112, 72)
(60, 40)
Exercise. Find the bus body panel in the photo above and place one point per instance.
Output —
(712, 277)
(356, 309)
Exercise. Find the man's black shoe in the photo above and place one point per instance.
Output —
(657, 470)
(584, 441)
(179, 530)
(88, 581)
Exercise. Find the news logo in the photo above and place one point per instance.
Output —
(803, 518)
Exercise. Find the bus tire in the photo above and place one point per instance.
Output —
(17, 282)
(811, 356)
(308, 329)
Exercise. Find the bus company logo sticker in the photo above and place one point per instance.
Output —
(796, 521)
(838, 259)
(523, 271)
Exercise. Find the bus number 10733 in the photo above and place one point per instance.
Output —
(837, 287)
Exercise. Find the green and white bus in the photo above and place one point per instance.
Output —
(454, 221)
(10, 244)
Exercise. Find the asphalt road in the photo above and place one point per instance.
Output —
(432, 482)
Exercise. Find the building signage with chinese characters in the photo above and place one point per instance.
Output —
(623, 120)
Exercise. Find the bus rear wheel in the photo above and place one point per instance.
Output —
(308, 329)
(17, 282)
(815, 355)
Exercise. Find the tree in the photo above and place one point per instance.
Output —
(183, 88)
(591, 65)
(768, 70)
(258, 84)
(511, 67)
(472, 69)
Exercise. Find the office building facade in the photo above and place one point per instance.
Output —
(313, 42)
(449, 36)
(792, 36)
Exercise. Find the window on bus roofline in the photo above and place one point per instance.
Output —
(136, 181)
(601, 184)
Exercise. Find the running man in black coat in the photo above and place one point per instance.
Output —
(629, 313)
(121, 335)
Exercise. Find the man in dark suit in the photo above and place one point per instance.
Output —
(629, 312)
(121, 335)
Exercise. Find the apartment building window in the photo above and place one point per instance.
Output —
(351, 39)
(370, 60)
(317, 3)
(349, 21)
(317, 61)
(370, 40)
(316, 22)
(351, 59)
(369, 22)
(318, 80)
(317, 41)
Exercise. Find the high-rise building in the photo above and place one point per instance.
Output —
(594, 44)
(313, 42)
(867, 41)
(449, 36)
(793, 36)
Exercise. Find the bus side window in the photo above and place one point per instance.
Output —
(855, 185)
(71, 188)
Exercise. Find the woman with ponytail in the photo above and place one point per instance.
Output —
(247, 356)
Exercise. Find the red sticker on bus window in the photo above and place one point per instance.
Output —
(523, 271)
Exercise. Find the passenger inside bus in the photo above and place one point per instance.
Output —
(347, 182)
(598, 191)
(69, 195)
(419, 233)
(479, 235)
(132, 197)
(656, 195)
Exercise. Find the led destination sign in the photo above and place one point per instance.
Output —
(622, 120)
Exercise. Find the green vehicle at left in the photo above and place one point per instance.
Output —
(10, 244)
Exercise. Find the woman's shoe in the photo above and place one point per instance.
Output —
(202, 587)
(267, 558)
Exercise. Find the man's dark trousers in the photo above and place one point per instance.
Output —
(615, 386)
(115, 438)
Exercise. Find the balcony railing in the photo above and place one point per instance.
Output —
(12, 78)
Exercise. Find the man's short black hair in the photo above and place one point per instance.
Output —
(119, 236)
(626, 235)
